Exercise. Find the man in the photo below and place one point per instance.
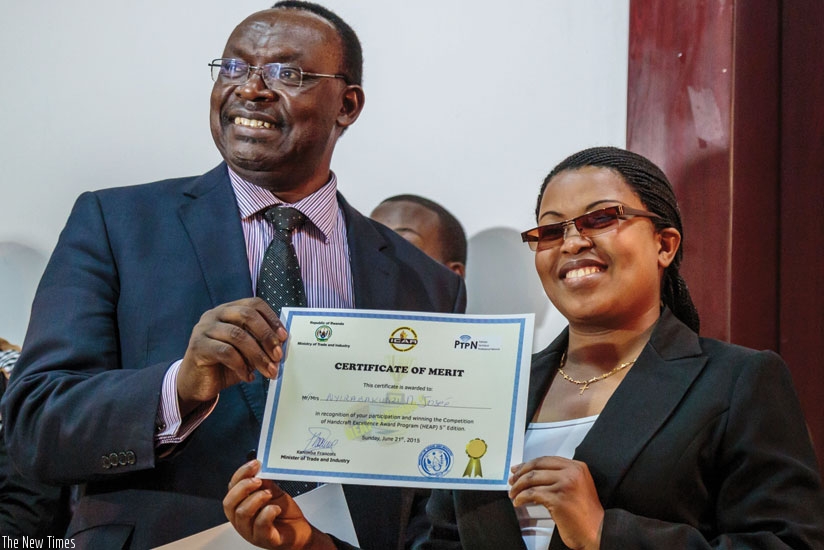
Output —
(142, 374)
(427, 225)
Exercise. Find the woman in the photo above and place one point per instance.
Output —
(643, 435)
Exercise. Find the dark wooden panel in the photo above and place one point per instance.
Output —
(678, 115)
(728, 97)
(802, 205)
(754, 179)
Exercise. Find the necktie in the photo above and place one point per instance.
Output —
(280, 284)
(279, 281)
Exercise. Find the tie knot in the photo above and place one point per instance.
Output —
(284, 218)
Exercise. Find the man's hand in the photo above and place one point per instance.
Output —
(227, 346)
(565, 488)
(266, 516)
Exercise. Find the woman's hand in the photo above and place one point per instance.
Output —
(565, 487)
(266, 516)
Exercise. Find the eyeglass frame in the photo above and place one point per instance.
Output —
(622, 212)
(218, 64)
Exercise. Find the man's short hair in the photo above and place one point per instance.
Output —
(452, 235)
(352, 53)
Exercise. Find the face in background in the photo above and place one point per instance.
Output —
(611, 280)
(418, 225)
(290, 152)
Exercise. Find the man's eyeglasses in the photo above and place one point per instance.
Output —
(237, 71)
(588, 225)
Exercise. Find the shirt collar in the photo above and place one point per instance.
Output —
(321, 207)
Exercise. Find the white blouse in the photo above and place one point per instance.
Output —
(548, 439)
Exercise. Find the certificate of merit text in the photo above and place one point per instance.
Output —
(398, 398)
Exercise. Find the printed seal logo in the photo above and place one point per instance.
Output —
(403, 339)
(323, 333)
(435, 460)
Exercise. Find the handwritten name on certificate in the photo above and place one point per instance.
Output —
(398, 398)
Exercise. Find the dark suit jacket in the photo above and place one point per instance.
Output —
(703, 445)
(132, 273)
(29, 508)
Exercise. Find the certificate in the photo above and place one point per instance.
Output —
(398, 398)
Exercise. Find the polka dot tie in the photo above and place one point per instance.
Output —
(279, 281)
(280, 284)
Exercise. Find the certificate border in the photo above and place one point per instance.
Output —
(342, 477)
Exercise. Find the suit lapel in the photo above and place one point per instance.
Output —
(210, 215)
(374, 276)
(648, 396)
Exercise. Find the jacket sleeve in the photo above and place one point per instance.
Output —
(769, 487)
(68, 390)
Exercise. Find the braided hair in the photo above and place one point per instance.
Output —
(656, 193)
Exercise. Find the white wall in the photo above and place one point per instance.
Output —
(469, 102)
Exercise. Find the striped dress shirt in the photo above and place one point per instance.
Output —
(320, 244)
(322, 251)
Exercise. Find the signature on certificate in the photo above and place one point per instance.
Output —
(319, 438)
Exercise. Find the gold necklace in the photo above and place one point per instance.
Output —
(584, 384)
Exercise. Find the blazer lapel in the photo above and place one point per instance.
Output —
(648, 395)
(542, 370)
(211, 219)
(374, 276)
(210, 216)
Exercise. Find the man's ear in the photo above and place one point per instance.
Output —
(351, 105)
(669, 240)
(458, 268)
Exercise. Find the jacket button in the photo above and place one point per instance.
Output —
(106, 464)
(130, 457)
